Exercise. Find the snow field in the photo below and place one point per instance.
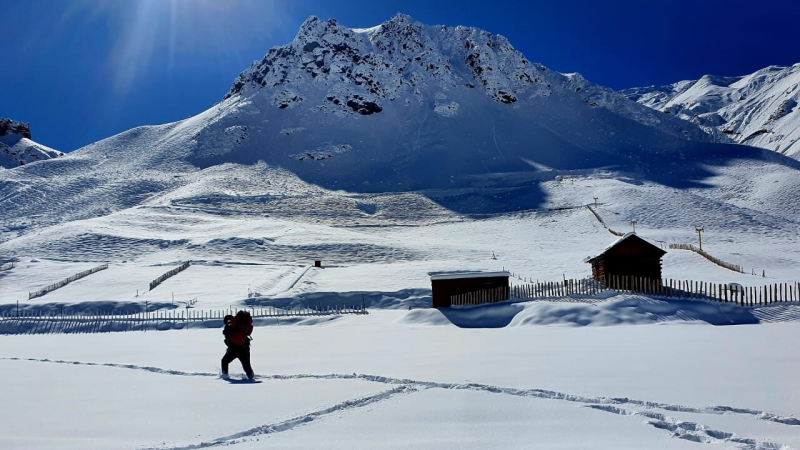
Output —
(270, 256)
(82, 407)
(447, 419)
(604, 387)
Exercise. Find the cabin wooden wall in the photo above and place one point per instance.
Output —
(443, 289)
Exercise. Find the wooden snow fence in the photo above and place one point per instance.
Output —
(599, 219)
(721, 292)
(479, 297)
(172, 272)
(66, 281)
(667, 288)
(717, 261)
(123, 320)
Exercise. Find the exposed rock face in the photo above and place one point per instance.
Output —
(8, 126)
(375, 64)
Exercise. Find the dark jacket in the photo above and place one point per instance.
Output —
(237, 330)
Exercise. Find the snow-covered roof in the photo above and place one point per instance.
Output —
(615, 243)
(456, 275)
(627, 235)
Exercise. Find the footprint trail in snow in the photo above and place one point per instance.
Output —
(680, 429)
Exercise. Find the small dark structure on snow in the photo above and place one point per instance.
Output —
(446, 285)
(317, 263)
(628, 256)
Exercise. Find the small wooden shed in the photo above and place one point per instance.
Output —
(628, 256)
(445, 285)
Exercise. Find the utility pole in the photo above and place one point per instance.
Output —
(595, 202)
(634, 222)
(699, 236)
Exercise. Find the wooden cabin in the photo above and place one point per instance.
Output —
(628, 256)
(446, 285)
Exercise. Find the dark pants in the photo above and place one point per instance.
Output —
(243, 354)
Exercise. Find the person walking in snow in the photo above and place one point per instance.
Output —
(237, 337)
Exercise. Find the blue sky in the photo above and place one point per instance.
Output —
(82, 70)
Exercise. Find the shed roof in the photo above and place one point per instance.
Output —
(457, 275)
(628, 236)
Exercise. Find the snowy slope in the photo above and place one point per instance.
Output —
(399, 124)
(17, 148)
(455, 115)
(759, 109)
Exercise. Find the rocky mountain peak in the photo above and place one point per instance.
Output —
(363, 68)
(17, 148)
(8, 126)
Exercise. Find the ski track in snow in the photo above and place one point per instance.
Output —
(680, 429)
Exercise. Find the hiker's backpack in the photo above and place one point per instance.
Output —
(241, 326)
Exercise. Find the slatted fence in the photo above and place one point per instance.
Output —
(717, 261)
(602, 222)
(482, 296)
(66, 281)
(172, 315)
(669, 288)
(172, 272)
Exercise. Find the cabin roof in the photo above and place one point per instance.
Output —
(475, 274)
(630, 236)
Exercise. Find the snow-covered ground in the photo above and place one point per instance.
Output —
(391, 381)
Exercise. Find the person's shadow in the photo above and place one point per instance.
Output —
(242, 381)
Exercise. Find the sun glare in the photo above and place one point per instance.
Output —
(146, 31)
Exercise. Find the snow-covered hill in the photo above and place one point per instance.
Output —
(399, 122)
(759, 109)
(17, 148)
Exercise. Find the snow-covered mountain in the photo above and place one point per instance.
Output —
(759, 109)
(17, 148)
(399, 120)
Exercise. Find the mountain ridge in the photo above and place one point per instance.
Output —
(398, 120)
(759, 109)
(370, 66)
